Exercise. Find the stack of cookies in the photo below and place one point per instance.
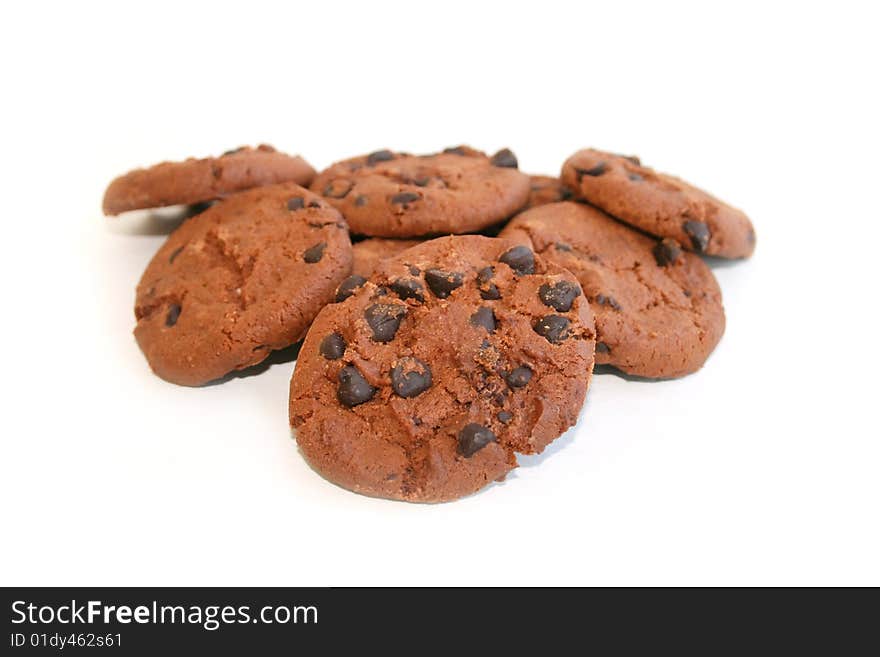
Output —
(452, 307)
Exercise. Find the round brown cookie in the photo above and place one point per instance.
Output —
(547, 189)
(367, 253)
(658, 309)
(659, 204)
(388, 194)
(195, 181)
(240, 279)
(424, 383)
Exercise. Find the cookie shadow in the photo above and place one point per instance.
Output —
(159, 221)
(277, 357)
(722, 263)
(603, 370)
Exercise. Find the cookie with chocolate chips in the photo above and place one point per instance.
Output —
(426, 381)
(370, 252)
(195, 181)
(659, 204)
(242, 278)
(547, 189)
(388, 194)
(658, 308)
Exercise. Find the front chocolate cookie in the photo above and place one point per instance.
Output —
(658, 309)
(659, 204)
(197, 181)
(242, 278)
(388, 194)
(427, 380)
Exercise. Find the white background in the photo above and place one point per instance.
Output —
(760, 469)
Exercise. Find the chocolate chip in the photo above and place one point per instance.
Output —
(410, 377)
(604, 300)
(473, 438)
(421, 181)
(488, 289)
(384, 320)
(484, 317)
(442, 283)
(518, 377)
(314, 254)
(348, 286)
(415, 271)
(332, 346)
(173, 314)
(505, 417)
(456, 150)
(404, 197)
(520, 259)
(174, 254)
(562, 246)
(353, 387)
(597, 170)
(666, 252)
(552, 327)
(360, 200)
(559, 296)
(315, 204)
(505, 158)
(296, 203)
(634, 177)
(379, 156)
(408, 288)
(233, 151)
(603, 348)
(699, 234)
(338, 188)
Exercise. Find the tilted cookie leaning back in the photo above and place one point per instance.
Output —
(235, 282)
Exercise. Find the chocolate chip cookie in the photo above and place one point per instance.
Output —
(388, 194)
(547, 189)
(195, 181)
(456, 354)
(242, 278)
(659, 204)
(658, 308)
(369, 252)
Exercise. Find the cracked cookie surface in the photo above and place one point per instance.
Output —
(425, 382)
(195, 181)
(388, 194)
(659, 204)
(239, 280)
(658, 309)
